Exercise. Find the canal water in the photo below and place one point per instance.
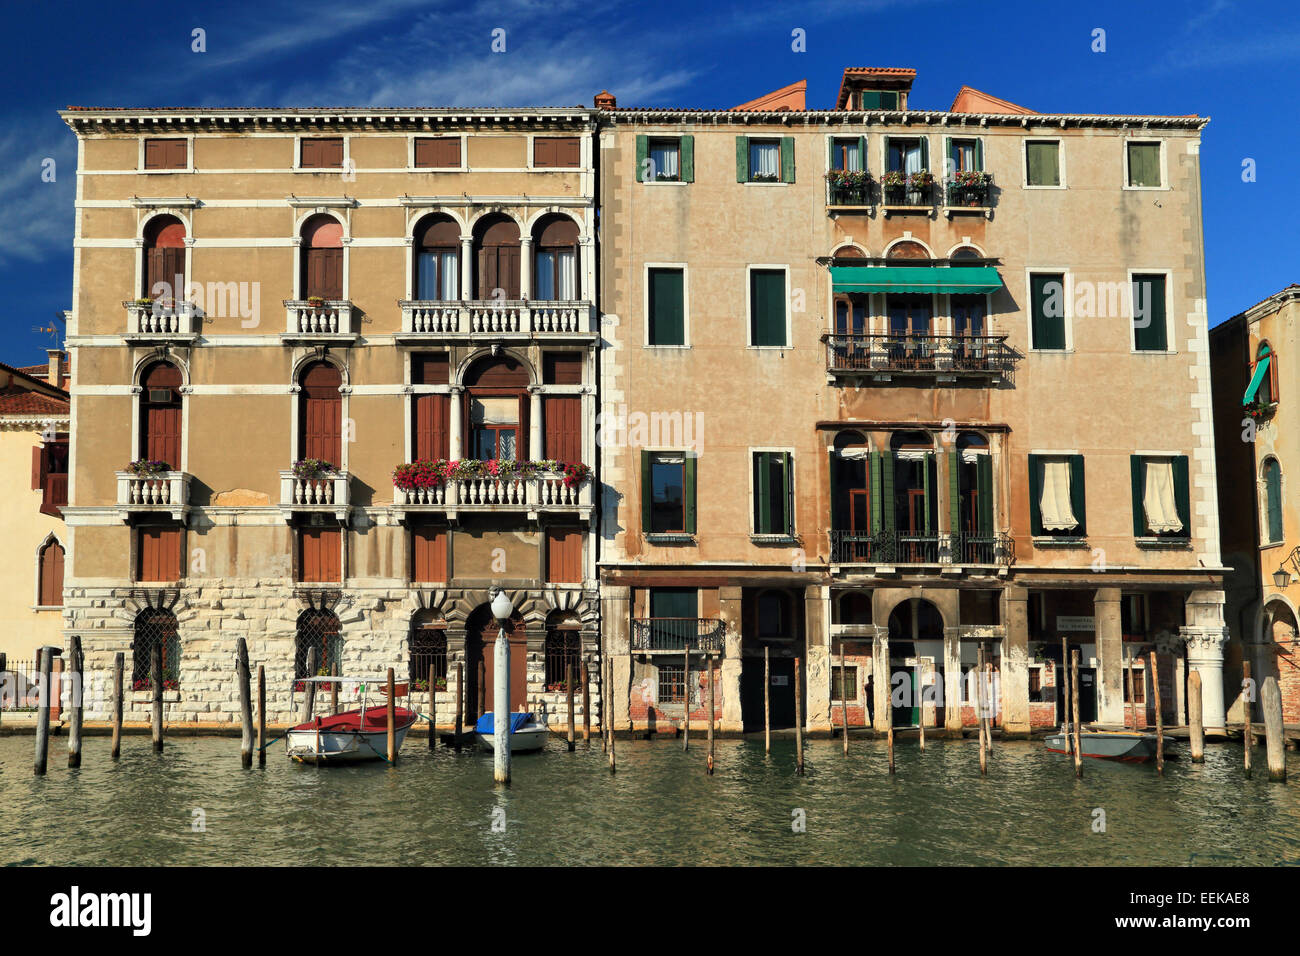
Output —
(659, 809)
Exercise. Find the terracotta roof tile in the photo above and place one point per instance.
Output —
(31, 403)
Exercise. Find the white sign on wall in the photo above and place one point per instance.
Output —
(1065, 622)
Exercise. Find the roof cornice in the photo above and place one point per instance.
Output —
(100, 119)
(897, 117)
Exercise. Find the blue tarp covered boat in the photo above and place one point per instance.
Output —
(526, 732)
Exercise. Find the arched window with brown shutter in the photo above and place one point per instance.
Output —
(322, 258)
(50, 574)
(437, 259)
(496, 255)
(320, 414)
(555, 264)
(164, 259)
(160, 414)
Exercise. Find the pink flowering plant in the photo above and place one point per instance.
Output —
(972, 177)
(309, 468)
(848, 178)
(893, 177)
(428, 473)
(148, 468)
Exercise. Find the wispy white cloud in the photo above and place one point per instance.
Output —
(1222, 52)
(1209, 12)
(35, 216)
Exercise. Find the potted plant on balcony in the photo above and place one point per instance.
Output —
(1258, 410)
(575, 473)
(148, 468)
(315, 301)
(849, 185)
(970, 188)
(311, 469)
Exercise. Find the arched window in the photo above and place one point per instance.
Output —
(160, 414)
(496, 410)
(907, 249)
(320, 413)
(1273, 529)
(563, 647)
(555, 270)
(772, 615)
(437, 259)
(49, 575)
(1267, 393)
(322, 258)
(428, 650)
(965, 256)
(318, 629)
(854, 608)
(496, 257)
(155, 627)
(164, 260)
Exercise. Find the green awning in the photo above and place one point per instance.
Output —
(953, 279)
(1261, 369)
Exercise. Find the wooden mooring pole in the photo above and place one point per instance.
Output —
(1064, 680)
(43, 711)
(392, 720)
(569, 678)
(245, 702)
(686, 705)
(156, 674)
(767, 702)
(309, 688)
(889, 716)
(711, 714)
(1074, 713)
(1160, 721)
(1248, 733)
(119, 661)
(433, 707)
(334, 690)
(1195, 716)
(77, 685)
(1270, 701)
(844, 699)
(460, 710)
(261, 715)
(607, 707)
(979, 709)
(798, 722)
(1132, 697)
(586, 703)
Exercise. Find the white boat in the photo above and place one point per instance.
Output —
(527, 733)
(352, 736)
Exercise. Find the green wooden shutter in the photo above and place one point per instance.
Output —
(767, 307)
(870, 100)
(887, 489)
(647, 493)
(1139, 507)
(642, 153)
(787, 492)
(979, 154)
(887, 100)
(1078, 497)
(1273, 500)
(1151, 337)
(787, 159)
(688, 159)
(925, 152)
(1048, 330)
(1182, 495)
(984, 487)
(667, 308)
(954, 492)
(762, 495)
(1035, 496)
(833, 484)
(1043, 164)
(690, 493)
(877, 493)
(742, 159)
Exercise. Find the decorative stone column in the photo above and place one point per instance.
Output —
(466, 267)
(729, 609)
(615, 622)
(1109, 634)
(535, 450)
(525, 267)
(952, 679)
(819, 658)
(1205, 635)
(455, 440)
(880, 677)
(1015, 662)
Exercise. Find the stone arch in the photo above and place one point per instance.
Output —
(966, 250)
(850, 249)
(498, 355)
(908, 247)
(161, 354)
(311, 356)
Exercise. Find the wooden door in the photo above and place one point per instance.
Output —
(159, 554)
(324, 274)
(486, 653)
(160, 415)
(321, 416)
(562, 416)
(564, 555)
(319, 555)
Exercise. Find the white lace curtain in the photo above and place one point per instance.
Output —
(1054, 503)
(1158, 498)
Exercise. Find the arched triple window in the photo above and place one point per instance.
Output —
(49, 574)
(164, 260)
(160, 414)
(1273, 529)
(437, 259)
(321, 264)
(555, 259)
(155, 627)
(496, 257)
(320, 413)
(318, 629)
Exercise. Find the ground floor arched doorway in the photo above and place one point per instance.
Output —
(480, 663)
(916, 663)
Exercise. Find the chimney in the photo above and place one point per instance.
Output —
(55, 375)
(604, 100)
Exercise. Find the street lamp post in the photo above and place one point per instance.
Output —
(501, 610)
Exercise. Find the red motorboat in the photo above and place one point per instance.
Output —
(352, 736)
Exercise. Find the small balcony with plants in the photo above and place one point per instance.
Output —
(314, 485)
(849, 189)
(908, 193)
(152, 487)
(969, 191)
(318, 320)
(150, 320)
(527, 488)
(940, 357)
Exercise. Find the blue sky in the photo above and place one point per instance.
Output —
(1235, 61)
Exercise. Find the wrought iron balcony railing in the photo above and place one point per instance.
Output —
(677, 633)
(920, 353)
(974, 195)
(850, 195)
(907, 195)
(897, 547)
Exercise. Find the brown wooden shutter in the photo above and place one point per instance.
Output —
(428, 553)
(51, 575)
(432, 427)
(176, 159)
(508, 272)
(324, 274)
(562, 368)
(319, 555)
(563, 556)
(570, 152)
(321, 415)
(38, 468)
(163, 434)
(322, 152)
(160, 554)
(544, 151)
(430, 368)
(562, 416)
(165, 153)
(437, 152)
